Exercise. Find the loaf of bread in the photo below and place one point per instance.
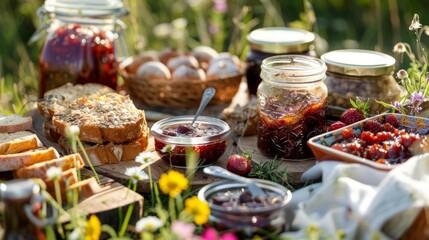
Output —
(56, 100)
(16, 161)
(14, 123)
(100, 154)
(17, 142)
(108, 118)
(242, 119)
(38, 170)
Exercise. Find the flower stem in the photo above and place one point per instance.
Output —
(127, 215)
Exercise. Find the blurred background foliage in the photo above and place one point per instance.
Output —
(222, 24)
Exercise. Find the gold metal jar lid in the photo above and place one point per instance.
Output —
(357, 62)
(280, 40)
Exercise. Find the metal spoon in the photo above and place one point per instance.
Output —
(223, 173)
(207, 96)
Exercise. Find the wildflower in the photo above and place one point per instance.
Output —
(72, 130)
(183, 230)
(426, 30)
(162, 30)
(75, 234)
(211, 234)
(397, 104)
(399, 48)
(415, 24)
(402, 74)
(417, 97)
(136, 174)
(198, 209)
(53, 172)
(145, 157)
(150, 224)
(220, 6)
(179, 23)
(168, 148)
(93, 228)
(173, 183)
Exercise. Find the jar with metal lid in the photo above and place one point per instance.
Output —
(267, 42)
(83, 44)
(292, 101)
(365, 74)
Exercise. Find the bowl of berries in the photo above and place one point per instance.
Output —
(175, 137)
(382, 141)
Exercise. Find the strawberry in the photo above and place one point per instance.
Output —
(336, 125)
(392, 120)
(351, 115)
(239, 164)
(373, 126)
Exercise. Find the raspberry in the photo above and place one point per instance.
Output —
(375, 152)
(373, 126)
(392, 120)
(347, 133)
(350, 116)
(384, 136)
(336, 125)
(368, 137)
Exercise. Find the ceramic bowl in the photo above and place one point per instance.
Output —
(320, 145)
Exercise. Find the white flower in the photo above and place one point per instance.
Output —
(53, 172)
(72, 130)
(168, 148)
(162, 30)
(402, 74)
(75, 234)
(399, 48)
(145, 157)
(150, 223)
(136, 174)
(415, 24)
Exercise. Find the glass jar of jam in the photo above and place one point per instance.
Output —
(365, 74)
(83, 44)
(267, 42)
(292, 101)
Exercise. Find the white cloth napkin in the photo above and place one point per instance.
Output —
(358, 202)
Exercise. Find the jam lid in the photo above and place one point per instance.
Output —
(357, 62)
(280, 40)
(93, 8)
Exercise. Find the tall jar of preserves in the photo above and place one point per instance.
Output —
(268, 42)
(292, 101)
(365, 74)
(83, 44)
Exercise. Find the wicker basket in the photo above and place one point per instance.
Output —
(163, 93)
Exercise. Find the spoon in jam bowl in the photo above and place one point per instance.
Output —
(253, 188)
(207, 96)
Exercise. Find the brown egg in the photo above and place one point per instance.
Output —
(176, 62)
(186, 73)
(140, 59)
(204, 54)
(153, 70)
(165, 55)
(222, 67)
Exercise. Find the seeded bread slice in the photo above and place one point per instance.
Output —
(14, 123)
(16, 161)
(38, 170)
(108, 118)
(17, 142)
(100, 154)
(56, 100)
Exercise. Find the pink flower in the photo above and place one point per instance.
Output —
(184, 230)
(212, 234)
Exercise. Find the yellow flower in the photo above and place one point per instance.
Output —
(198, 209)
(93, 228)
(173, 183)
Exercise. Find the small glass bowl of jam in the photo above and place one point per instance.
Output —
(234, 209)
(175, 137)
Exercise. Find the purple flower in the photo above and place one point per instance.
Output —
(220, 6)
(211, 234)
(396, 104)
(213, 29)
(417, 97)
(184, 230)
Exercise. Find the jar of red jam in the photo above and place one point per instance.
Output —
(268, 42)
(83, 43)
(365, 74)
(292, 101)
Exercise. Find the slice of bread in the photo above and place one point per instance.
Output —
(108, 118)
(56, 100)
(38, 170)
(67, 178)
(17, 142)
(14, 123)
(100, 154)
(16, 161)
(86, 188)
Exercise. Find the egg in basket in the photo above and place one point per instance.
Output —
(172, 78)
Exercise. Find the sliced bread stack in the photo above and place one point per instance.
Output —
(111, 127)
(22, 153)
